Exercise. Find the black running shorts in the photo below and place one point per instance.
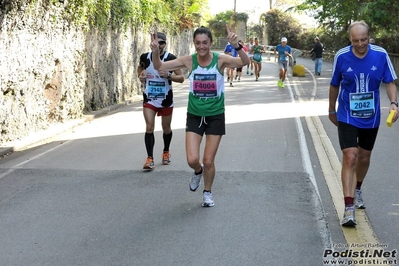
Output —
(210, 125)
(354, 137)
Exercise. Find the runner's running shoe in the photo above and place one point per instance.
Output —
(208, 200)
(166, 157)
(149, 164)
(349, 217)
(195, 180)
(359, 202)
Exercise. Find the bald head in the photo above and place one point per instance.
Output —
(359, 37)
(357, 27)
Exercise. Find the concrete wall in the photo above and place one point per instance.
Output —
(52, 71)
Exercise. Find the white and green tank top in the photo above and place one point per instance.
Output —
(206, 96)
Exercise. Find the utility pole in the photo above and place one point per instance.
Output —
(233, 22)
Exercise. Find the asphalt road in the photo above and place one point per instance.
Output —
(82, 198)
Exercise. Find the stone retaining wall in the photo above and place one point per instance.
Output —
(52, 71)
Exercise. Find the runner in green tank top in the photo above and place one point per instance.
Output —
(205, 111)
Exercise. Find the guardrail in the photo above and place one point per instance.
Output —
(295, 53)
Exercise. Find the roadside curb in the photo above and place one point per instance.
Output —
(46, 135)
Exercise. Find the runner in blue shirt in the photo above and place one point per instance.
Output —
(229, 49)
(284, 52)
(358, 71)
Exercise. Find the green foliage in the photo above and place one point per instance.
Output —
(281, 24)
(382, 15)
(119, 14)
(219, 22)
(185, 14)
(255, 31)
(339, 14)
(332, 13)
(241, 17)
(336, 16)
(332, 41)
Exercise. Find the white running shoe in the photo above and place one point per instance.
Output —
(359, 202)
(195, 180)
(349, 217)
(208, 200)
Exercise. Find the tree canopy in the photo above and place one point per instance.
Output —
(219, 22)
(173, 14)
(338, 14)
(280, 24)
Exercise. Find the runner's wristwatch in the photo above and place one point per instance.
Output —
(395, 103)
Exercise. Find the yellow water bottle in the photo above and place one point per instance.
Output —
(390, 118)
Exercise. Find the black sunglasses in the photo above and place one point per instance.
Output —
(161, 42)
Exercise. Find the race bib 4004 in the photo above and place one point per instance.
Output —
(204, 85)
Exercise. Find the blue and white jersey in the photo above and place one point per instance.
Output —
(359, 80)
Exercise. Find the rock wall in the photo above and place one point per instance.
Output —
(52, 71)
